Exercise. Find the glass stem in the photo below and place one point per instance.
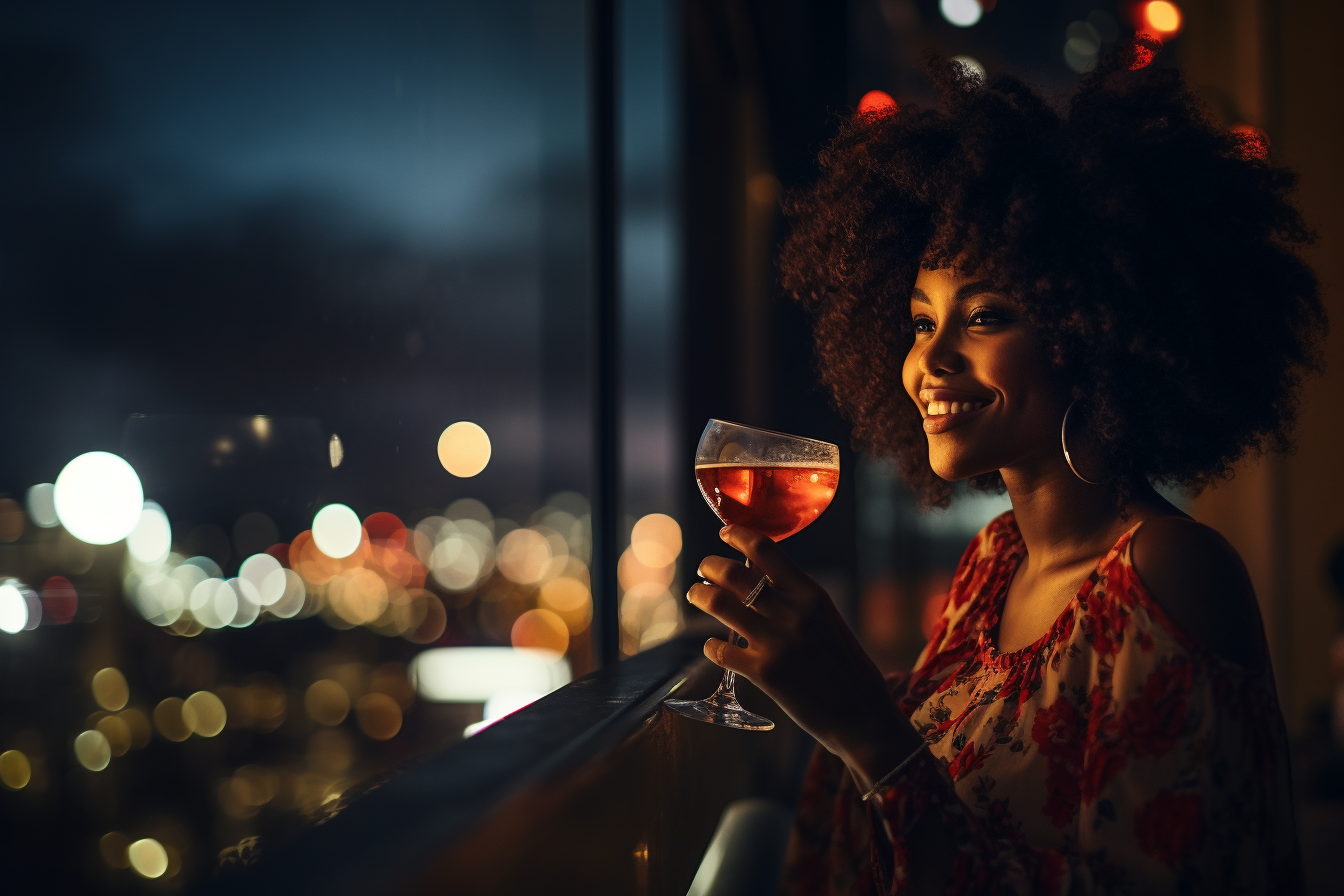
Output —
(726, 695)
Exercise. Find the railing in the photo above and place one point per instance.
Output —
(593, 789)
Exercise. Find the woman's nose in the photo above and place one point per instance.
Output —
(941, 356)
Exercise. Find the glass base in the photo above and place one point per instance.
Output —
(720, 709)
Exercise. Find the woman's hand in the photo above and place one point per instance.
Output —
(802, 654)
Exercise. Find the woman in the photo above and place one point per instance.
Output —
(1095, 712)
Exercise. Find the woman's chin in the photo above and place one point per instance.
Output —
(958, 469)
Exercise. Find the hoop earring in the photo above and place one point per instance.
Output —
(1063, 442)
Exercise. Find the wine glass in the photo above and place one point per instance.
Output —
(768, 481)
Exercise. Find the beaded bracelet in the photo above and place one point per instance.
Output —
(893, 773)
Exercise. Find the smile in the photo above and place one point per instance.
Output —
(942, 412)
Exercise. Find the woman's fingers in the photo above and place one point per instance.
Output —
(726, 607)
(730, 574)
(770, 557)
(729, 656)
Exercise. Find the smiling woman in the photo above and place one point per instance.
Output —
(1070, 308)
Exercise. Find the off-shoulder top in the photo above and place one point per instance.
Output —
(1114, 755)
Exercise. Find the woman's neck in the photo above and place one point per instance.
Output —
(1064, 520)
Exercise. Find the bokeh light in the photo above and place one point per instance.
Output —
(60, 601)
(569, 599)
(213, 603)
(168, 720)
(464, 449)
(15, 769)
(524, 556)
(656, 540)
(378, 715)
(204, 714)
(962, 13)
(41, 500)
(1162, 18)
(972, 66)
(248, 603)
(337, 531)
(540, 629)
(877, 102)
(475, 674)
(327, 702)
(1252, 143)
(266, 575)
(112, 847)
(152, 538)
(109, 689)
(98, 498)
(148, 857)
(93, 751)
(1082, 46)
(13, 607)
(11, 520)
(117, 732)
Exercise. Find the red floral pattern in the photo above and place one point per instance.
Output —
(1115, 755)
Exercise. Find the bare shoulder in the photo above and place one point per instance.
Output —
(1200, 582)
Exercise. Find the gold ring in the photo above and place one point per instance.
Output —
(756, 592)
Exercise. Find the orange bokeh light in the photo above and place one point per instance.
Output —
(877, 102)
(1162, 17)
(540, 628)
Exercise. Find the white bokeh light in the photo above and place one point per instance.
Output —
(98, 498)
(42, 505)
(13, 607)
(266, 575)
(962, 13)
(337, 531)
(152, 538)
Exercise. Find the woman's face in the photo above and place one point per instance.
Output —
(979, 374)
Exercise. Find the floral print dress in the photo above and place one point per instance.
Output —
(1114, 755)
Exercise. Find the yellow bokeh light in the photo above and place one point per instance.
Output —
(117, 732)
(327, 702)
(569, 599)
(109, 689)
(358, 595)
(524, 556)
(15, 769)
(93, 751)
(378, 715)
(204, 714)
(138, 726)
(1162, 17)
(112, 846)
(464, 449)
(148, 857)
(656, 540)
(631, 572)
(168, 719)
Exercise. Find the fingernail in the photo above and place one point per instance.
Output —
(723, 533)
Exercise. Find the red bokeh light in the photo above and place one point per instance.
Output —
(1252, 143)
(1143, 51)
(59, 600)
(877, 102)
(386, 529)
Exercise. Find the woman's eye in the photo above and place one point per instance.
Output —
(985, 317)
(923, 325)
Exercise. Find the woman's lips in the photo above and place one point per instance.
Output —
(946, 409)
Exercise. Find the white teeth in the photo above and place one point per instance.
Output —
(940, 408)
